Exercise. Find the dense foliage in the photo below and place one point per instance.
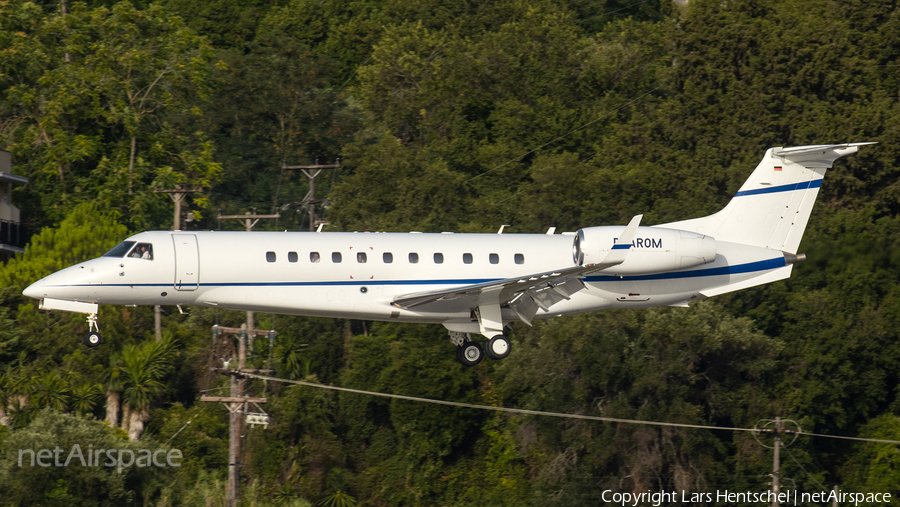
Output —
(453, 116)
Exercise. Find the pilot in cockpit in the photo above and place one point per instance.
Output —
(143, 251)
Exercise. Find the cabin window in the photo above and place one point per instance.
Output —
(495, 259)
(292, 257)
(438, 258)
(313, 257)
(467, 258)
(413, 258)
(120, 250)
(520, 259)
(361, 257)
(387, 257)
(270, 256)
(336, 257)
(142, 251)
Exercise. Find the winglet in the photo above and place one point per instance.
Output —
(623, 243)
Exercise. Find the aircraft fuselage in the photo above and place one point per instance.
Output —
(358, 275)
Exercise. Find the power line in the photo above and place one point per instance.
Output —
(497, 409)
(849, 438)
(538, 412)
(804, 469)
(627, 7)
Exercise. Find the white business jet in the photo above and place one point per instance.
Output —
(470, 283)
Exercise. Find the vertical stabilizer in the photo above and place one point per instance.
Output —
(772, 207)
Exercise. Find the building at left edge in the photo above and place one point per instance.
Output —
(13, 235)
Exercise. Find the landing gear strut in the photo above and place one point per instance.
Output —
(92, 337)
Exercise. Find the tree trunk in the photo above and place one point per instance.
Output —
(4, 419)
(112, 409)
(131, 162)
(126, 416)
(138, 418)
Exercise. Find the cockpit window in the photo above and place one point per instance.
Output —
(120, 250)
(142, 251)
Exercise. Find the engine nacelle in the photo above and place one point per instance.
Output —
(653, 250)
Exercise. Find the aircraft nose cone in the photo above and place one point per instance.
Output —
(35, 290)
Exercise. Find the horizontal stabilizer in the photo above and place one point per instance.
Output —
(824, 154)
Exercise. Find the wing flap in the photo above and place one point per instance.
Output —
(508, 287)
(525, 307)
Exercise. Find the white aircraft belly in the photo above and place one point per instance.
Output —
(326, 300)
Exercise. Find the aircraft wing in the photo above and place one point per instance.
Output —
(525, 294)
(544, 289)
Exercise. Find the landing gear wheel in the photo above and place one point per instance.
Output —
(91, 339)
(469, 354)
(498, 347)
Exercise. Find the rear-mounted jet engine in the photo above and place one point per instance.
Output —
(653, 250)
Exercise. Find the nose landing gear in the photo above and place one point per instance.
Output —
(92, 337)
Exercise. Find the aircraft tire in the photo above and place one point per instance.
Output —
(469, 354)
(91, 339)
(498, 347)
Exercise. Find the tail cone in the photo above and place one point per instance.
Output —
(791, 258)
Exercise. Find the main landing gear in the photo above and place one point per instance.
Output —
(470, 353)
(92, 337)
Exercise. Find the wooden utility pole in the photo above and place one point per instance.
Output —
(248, 220)
(779, 428)
(311, 171)
(177, 194)
(236, 404)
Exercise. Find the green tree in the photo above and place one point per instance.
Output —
(86, 233)
(104, 104)
(275, 107)
(875, 467)
(74, 484)
(142, 371)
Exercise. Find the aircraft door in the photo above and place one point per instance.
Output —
(187, 262)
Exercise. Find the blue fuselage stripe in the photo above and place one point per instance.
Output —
(803, 185)
(720, 271)
(724, 270)
(621, 247)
